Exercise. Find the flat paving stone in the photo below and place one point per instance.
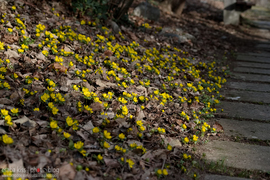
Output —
(251, 77)
(247, 129)
(245, 110)
(247, 86)
(246, 96)
(252, 65)
(259, 54)
(220, 177)
(252, 70)
(263, 46)
(253, 59)
(238, 155)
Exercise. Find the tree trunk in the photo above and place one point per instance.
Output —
(175, 6)
(179, 7)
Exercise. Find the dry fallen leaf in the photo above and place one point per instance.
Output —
(218, 127)
(108, 53)
(67, 172)
(96, 106)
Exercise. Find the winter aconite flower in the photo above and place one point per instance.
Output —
(130, 163)
(186, 140)
(121, 136)
(99, 157)
(106, 145)
(66, 135)
(95, 130)
(107, 134)
(78, 145)
(4, 112)
(6, 139)
(53, 124)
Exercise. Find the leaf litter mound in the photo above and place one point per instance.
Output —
(78, 101)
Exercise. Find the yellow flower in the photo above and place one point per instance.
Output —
(70, 63)
(186, 140)
(15, 75)
(107, 134)
(169, 147)
(95, 130)
(185, 156)
(83, 152)
(20, 50)
(9, 122)
(195, 138)
(53, 124)
(66, 135)
(82, 22)
(141, 98)
(121, 136)
(106, 145)
(49, 176)
(142, 128)
(69, 121)
(36, 109)
(159, 171)
(165, 172)
(203, 129)
(78, 145)
(13, 7)
(6, 139)
(130, 163)
(54, 110)
(45, 97)
(99, 157)
(59, 130)
(4, 112)
(14, 110)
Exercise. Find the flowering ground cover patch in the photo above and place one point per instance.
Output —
(99, 105)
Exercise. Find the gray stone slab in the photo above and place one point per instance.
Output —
(238, 155)
(220, 177)
(260, 54)
(245, 110)
(253, 59)
(252, 70)
(253, 65)
(247, 129)
(251, 77)
(248, 86)
(263, 46)
(247, 96)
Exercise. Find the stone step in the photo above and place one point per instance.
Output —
(260, 54)
(253, 59)
(248, 86)
(251, 77)
(247, 96)
(252, 70)
(263, 46)
(247, 129)
(245, 110)
(252, 65)
(238, 155)
(220, 177)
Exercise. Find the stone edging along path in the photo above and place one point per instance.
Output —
(246, 115)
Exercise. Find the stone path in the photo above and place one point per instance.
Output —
(246, 115)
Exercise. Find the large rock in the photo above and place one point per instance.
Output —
(177, 34)
(147, 11)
